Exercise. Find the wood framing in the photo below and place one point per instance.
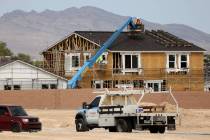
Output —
(54, 56)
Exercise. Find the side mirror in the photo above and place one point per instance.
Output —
(84, 105)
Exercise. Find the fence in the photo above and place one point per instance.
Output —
(72, 99)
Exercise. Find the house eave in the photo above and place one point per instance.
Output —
(159, 51)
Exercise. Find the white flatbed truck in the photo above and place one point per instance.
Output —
(118, 111)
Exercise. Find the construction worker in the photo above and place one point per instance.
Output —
(100, 59)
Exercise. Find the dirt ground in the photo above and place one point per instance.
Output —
(59, 125)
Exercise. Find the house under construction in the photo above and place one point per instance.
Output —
(151, 59)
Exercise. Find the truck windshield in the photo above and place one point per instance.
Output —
(17, 111)
(95, 102)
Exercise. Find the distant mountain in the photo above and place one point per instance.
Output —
(31, 32)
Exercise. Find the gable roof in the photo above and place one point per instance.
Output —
(30, 65)
(154, 41)
(64, 38)
(5, 62)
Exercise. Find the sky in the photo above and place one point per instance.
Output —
(195, 13)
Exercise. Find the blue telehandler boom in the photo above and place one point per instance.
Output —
(72, 83)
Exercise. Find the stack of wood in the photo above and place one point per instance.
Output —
(154, 108)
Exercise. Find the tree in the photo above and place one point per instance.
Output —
(23, 57)
(38, 63)
(4, 51)
(207, 58)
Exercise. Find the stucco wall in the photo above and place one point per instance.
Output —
(72, 99)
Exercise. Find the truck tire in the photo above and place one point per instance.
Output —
(81, 125)
(16, 128)
(153, 129)
(171, 124)
(123, 126)
(129, 123)
(112, 129)
(161, 129)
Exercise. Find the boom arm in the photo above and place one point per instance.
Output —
(72, 83)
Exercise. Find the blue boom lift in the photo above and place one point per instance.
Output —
(72, 83)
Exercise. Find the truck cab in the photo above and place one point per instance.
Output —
(87, 117)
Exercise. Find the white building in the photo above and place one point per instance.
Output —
(19, 75)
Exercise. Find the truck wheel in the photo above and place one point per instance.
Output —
(16, 128)
(129, 126)
(153, 129)
(112, 129)
(123, 126)
(171, 124)
(161, 129)
(80, 125)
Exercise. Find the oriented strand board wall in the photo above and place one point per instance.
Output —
(154, 65)
(196, 60)
(153, 60)
(197, 65)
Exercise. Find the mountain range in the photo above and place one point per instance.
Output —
(31, 32)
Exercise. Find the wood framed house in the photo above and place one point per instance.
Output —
(152, 59)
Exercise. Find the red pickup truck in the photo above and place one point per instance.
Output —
(14, 118)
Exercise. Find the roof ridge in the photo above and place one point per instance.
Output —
(98, 31)
(153, 40)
